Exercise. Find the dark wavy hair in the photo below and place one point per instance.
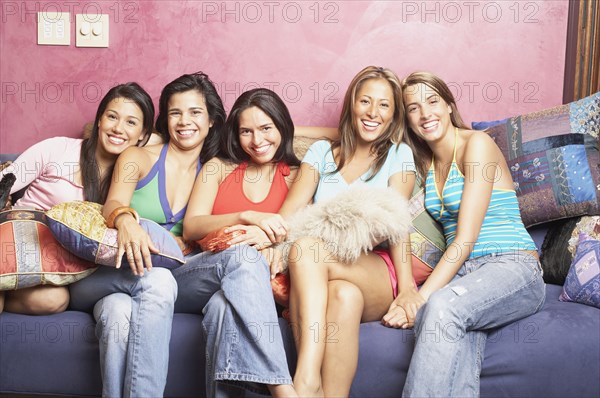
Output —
(347, 127)
(421, 150)
(95, 188)
(271, 104)
(216, 112)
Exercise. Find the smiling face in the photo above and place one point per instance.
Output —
(259, 137)
(427, 113)
(120, 126)
(373, 109)
(188, 119)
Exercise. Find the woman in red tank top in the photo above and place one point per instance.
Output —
(251, 175)
(246, 182)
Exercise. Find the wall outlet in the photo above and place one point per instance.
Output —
(54, 28)
(91, 30)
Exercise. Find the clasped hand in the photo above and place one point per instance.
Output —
(272, 224)
(403, 310)
(253, 236)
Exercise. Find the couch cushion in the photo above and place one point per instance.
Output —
(81, 229)
(553, 353)
(583, 280)
(426, 237)
(553, 157)
(53, 354)
(30, 256)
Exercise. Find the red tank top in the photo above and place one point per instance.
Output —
(231, 198)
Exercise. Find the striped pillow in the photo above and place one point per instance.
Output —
(30, 256)
(426, 237)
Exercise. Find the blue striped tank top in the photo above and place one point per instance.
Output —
(502, 230)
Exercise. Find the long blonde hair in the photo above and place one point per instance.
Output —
(348, 130)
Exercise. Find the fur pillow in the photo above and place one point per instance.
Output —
(353, 222)
(556, 257)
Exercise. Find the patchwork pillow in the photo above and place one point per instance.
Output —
(583, 280)
(554, 161)
(426, 237)
(81, 229)
(30, 256)
(590, 225)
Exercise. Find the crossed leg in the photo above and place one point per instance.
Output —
(329, 295)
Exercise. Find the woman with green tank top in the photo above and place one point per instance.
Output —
(154, 182)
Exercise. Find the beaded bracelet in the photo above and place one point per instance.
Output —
(110, 221)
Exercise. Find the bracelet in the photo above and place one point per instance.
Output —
(110, 221)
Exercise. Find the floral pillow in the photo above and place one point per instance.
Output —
(583, 280)
(81, 229)
(553, 158)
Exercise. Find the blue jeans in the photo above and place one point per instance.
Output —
(244, 346)
(134, 317)
(452, 327)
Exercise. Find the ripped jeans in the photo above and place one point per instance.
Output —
(451, 328)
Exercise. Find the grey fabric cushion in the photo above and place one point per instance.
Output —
(553, 353)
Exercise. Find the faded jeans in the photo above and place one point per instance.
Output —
(244, 346)
(451, 328)
(134, 317)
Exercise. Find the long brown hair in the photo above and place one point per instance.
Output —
(421, 151)
(273, 106)
(348, 130)
(95, 187)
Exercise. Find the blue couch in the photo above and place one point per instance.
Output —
(554, 353)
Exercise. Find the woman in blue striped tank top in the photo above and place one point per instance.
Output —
(490, 274)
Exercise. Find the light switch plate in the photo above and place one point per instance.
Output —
(91, 30)
(54, 28)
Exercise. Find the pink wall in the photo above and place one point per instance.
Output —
(501, 58)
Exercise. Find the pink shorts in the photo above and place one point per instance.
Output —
(420, 270)
(385, 255)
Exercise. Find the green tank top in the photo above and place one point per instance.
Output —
(150, 197)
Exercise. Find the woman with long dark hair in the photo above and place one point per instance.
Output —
(154, 182)
(249, 179)
(64, 169)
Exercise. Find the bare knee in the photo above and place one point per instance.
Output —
(344, 299)
(38, 300)
(306, 252)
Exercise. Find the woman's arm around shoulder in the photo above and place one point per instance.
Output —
(131, 166)
(330, 133)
